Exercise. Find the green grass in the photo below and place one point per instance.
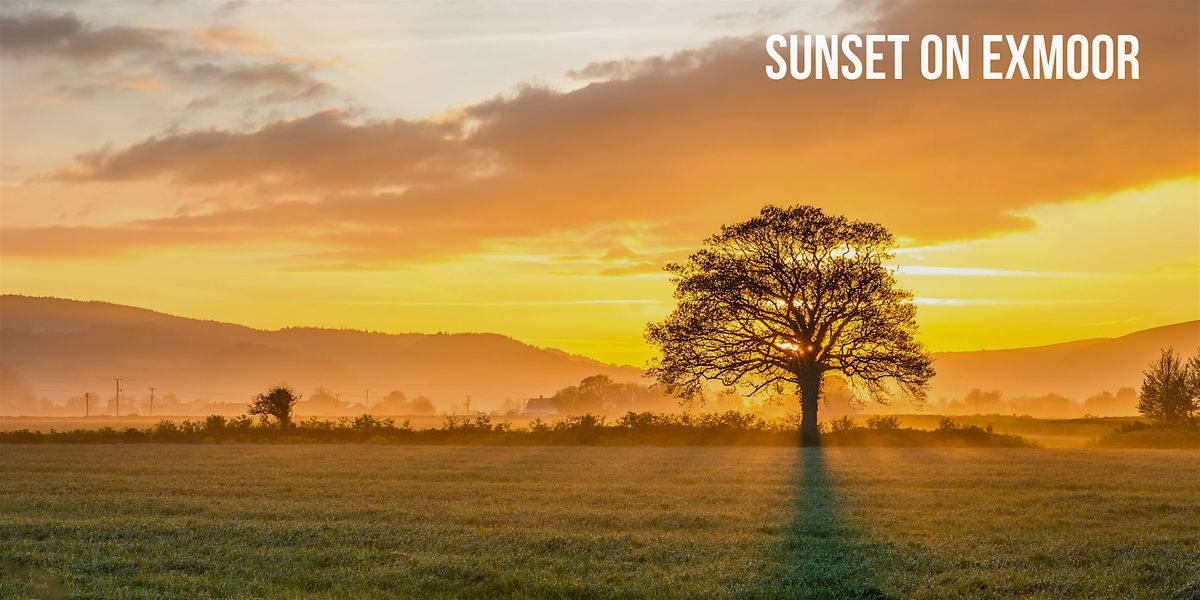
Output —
(358, 521)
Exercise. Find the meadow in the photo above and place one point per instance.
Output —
(365, 521)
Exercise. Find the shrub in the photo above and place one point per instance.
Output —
(948, 424)
(882, 423)
(725, 428)
(841, 424)
(1143, 435)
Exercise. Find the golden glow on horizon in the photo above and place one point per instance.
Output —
(1135, 268)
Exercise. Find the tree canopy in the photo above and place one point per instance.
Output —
(600, 394)
(785, 298)
(276, 402)
(1171, 389)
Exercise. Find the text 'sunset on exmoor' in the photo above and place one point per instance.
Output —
(883, 56)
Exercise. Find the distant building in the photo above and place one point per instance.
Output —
(540, 407)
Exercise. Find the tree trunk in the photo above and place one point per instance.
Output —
(810, 395)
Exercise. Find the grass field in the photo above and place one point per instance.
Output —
(333, 521)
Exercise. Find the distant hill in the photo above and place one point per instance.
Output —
(1072, 369)
(57, 349)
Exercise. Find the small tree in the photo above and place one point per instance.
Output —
(785, 298)
(1171, 389)
(276, 402)
(1193, 381)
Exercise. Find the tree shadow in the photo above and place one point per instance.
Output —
(822, 556)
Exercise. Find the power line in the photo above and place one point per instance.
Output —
(117, 413)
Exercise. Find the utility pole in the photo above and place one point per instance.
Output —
(117, 412)
(87, 400)
(368, 400)
(468, 405)
(152, 402)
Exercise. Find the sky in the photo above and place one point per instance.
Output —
(527, 168)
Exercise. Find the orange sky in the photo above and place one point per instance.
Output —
(528, 169)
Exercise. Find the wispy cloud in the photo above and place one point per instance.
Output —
(231, 60)
(517, 303)
(926, 301)
(921, 270)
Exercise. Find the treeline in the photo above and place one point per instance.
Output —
(729, 428)
(326, 402)
(1170, 400)
(1047, 406)
(599, 394)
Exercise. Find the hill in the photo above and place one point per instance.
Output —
(1073, 369)
(58, 349)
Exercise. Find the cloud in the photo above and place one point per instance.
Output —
(64, 36)
(629, 68)
(223, 37)
(991, 273)
(322, 151)
(682, 143)
(231, 7)
(925, 301)
(762, 15)
(228, 59)
(78, 242)
(280, 82)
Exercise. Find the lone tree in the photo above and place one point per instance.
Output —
(785, 298)
(1171, 389)
(276, 402)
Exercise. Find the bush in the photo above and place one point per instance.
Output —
(881, 423)
(165, 428)
(886, 431)
(947, 424)
(841, 424)
(633, 428)
(1144, 435)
